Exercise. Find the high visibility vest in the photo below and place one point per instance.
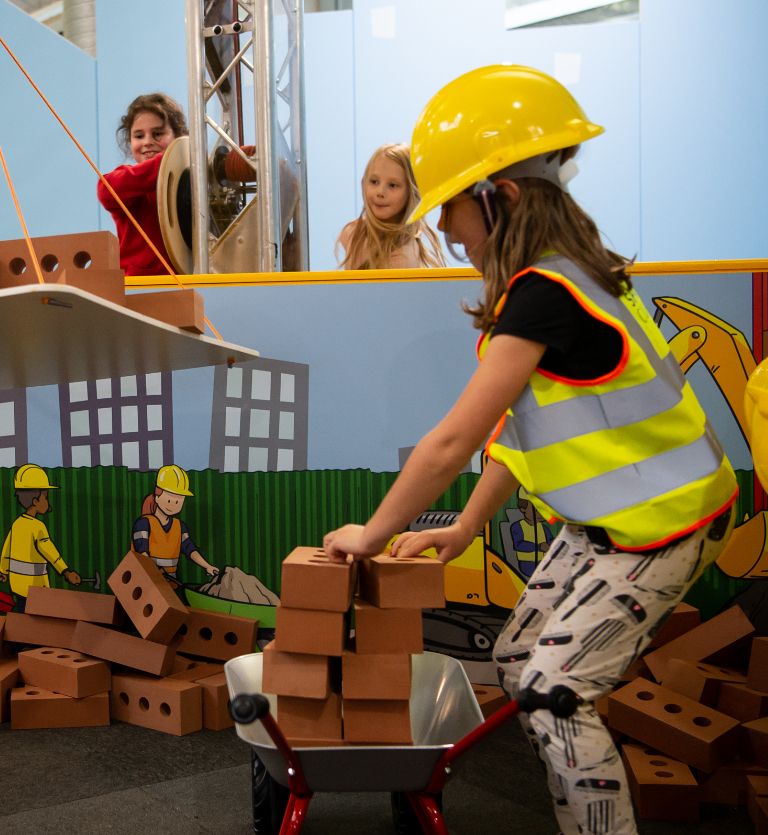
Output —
(631, 451)
(164, 548)
(26, 554)
(535, 537)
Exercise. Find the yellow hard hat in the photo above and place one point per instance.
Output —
(173, 479)
(487, 120)
(32, 477)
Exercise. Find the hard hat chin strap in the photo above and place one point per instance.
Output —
(544, 167)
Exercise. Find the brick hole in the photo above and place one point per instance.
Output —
(702, 721)
(148, 609)
(323, 561)
(650, 751)
(32, 692)
(206, 634)
(645, 696)
(183, 629)
(47, 652)
(79, 660)
(664, 774)
(673, 708)
(63, 656)
(165, 709)
(726, 672)
(231, 638)
(143, 703)
(704, 669)
(137, 592)
(17, 266)
(124, 698)
(82, 260)
(126, 578)
(49, 263)
(658, 762)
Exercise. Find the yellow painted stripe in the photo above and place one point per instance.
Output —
(746, 265)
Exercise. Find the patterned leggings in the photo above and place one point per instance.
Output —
(587, 613)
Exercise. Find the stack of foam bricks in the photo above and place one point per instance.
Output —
(333, 689)
(691, 718)
(79, 666)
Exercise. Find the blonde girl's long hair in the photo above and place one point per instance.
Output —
(544, 218)
(379, 240)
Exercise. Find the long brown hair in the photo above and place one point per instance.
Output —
(379, 240)
(544, 218)
(168, 109)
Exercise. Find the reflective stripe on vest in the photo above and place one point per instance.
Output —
(160, 563)
(29, 569)
(631, 451)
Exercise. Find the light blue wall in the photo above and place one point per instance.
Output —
(677, 175)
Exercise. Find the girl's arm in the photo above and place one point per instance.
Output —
(130, 181)
(198, 558)
(444, 452)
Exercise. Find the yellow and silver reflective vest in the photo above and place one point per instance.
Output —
(631, 451)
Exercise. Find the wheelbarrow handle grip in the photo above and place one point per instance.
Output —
(561, 701)
(248, 707)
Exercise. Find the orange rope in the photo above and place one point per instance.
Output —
(21, 218)
(101, 177)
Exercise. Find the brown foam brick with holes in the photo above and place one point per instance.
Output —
(174, 707)
(215, 700)
(147, 598)
(757, 674)
(310, 718)
(309, 580)
(65, 671)
(375, 676)
(298, 674)
(9, 678)
(309, 631)
(741, 702)
(217, 635)
(106, 284)
(74, 605)
(34, 707)
(128, 650)
(729, 783)
(180, 308)
(387, 631)
(490, 699)
(56, 253)
(721, 634)
(402, 582)
(684, 617)
(39, 630)
(679, 727)
(662, 788)
(4, 645)
(757, 794)
(369, 722)
(699, 681)
(755, 741)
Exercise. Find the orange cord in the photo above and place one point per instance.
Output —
(21, 218)
(101, 177)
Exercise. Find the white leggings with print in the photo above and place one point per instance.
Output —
(587, 613)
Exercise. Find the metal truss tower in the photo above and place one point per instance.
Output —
(234, 46)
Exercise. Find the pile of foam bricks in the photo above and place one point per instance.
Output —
(77, 666)
(90, 261)
(333, 689)
(691, 718)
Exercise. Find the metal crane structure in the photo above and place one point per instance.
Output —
(260, 225)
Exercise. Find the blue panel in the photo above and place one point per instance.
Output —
(608, 184)
(704, 123)
(53, 181)
(44, 426)
(141, 49)
(192, 407)
(330, 122)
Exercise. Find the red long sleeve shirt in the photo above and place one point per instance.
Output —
(136, 185)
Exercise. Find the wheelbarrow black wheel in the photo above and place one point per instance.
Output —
(270, 799)
(405, 820)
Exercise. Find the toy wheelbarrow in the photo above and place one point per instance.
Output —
(445, 722)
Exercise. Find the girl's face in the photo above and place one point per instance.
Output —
(462, 221)
(169, 503)
(385, 189)
(150, 135)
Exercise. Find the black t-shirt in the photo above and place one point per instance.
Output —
(579, 347)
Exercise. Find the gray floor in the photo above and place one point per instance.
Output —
(124, 779)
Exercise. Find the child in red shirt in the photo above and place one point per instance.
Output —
(149, 126)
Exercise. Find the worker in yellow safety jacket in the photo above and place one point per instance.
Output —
(530, 537)
(159, 533)
(28, 550)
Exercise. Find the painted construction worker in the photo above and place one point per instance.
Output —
(529, 535)
(28, 550)
(159, 533)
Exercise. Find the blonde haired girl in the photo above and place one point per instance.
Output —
(380, 238)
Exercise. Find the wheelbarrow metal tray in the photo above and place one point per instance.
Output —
(443, 710)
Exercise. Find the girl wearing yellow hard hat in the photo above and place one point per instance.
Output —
(592, 415)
